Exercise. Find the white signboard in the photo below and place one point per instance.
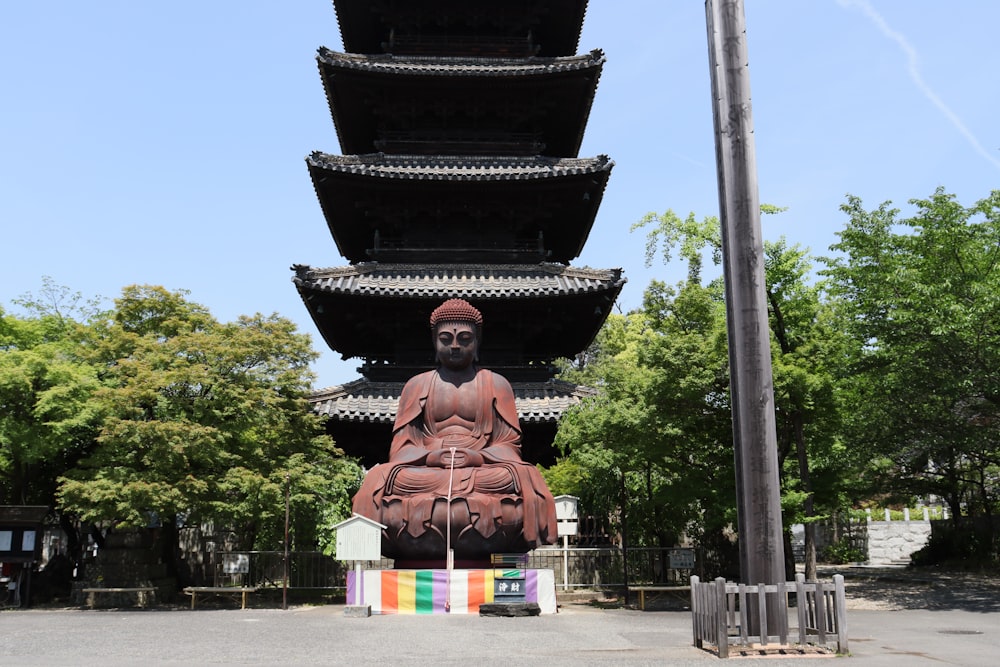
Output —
(566, 508)
(359, 538)
(28, 541)
(567, 528)
(682, 559)
(235, 563)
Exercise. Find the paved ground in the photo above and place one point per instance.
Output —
(937, 628)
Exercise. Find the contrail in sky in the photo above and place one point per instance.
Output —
(913, 62)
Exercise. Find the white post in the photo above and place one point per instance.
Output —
(868, 514)
(888, 515)
(359, 582)
(927, 514)
(906, 514)
(565, 562)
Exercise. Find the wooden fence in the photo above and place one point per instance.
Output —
(721, 614)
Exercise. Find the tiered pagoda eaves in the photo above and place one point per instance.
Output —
(460, 122)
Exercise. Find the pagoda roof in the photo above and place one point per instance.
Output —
(460, 105)
(361, 415)
(365, 401)
(535, 27)
(534, 313)
(499, 209)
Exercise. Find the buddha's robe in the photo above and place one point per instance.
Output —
(401, 493)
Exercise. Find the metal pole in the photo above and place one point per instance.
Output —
(623, 501)
(565, 562)
(752, 392)
(284, 588)
(449, 554)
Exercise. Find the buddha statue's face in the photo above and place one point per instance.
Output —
(456, 344)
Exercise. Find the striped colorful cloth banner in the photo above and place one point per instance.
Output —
(425, 591)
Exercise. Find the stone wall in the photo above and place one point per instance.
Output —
(885, 542)
(893, 542)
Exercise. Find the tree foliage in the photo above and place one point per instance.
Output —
(154, 410)
(673, 391)
(45, 418)
(652, 448)
(921, 296)
(886, 374)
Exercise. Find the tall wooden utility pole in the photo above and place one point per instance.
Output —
(752, 391)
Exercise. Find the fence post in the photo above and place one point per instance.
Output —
(782, 619)
(695, 609)
(821, 621)
(762, 612)
(800, 604)
(840, 599)
(722, 629)
(744, 618)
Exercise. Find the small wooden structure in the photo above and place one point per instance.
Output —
(567, 514)
(568, 523)
(358, 539)
(721, 614)
(20, 548)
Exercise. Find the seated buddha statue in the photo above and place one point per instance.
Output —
(455, 457)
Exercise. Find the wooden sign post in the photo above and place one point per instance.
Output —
(358, 539)
(751, 382)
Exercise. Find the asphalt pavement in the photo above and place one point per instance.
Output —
(579, 635)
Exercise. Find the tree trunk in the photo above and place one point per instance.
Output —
(169, 545)
(73, 547)
(808, 507)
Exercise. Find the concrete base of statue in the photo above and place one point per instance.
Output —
(429, 592)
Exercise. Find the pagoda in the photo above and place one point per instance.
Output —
(460, 124)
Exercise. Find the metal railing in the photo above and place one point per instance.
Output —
(574, 567)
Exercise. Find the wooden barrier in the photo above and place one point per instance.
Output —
(721, 614)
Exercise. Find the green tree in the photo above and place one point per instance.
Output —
(805, 348)
(922, 295)
(652, 448)
(205, 420)
(45, 421)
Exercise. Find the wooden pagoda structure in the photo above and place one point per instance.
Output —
(460, 125)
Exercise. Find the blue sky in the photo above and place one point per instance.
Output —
(164, 143)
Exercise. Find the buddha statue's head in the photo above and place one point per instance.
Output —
(457, 329)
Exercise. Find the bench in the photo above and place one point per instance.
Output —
(220, 590)
(643, 589)
(507, 561)
(141, 594)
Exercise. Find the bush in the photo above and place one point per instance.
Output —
(842, 552)
(965, 546)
